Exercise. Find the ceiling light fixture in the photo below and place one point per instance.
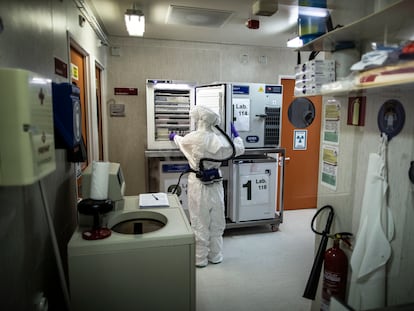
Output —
(135, 22)
(295, 43)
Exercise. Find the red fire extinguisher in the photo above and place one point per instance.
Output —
(335, 274)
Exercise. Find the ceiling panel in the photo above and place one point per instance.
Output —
(274, 31)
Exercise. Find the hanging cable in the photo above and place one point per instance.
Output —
(220, 160)
(312, 284)
(313, 281)
(55, 247)
(208, 176)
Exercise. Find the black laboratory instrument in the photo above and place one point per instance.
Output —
(95, 208)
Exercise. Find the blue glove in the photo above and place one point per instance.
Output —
(171, 136)
(233, 130)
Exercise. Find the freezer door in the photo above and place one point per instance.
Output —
(215, 97)
(254, 190)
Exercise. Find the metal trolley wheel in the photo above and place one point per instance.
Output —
(274, 227)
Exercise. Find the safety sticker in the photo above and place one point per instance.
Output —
(300, 138)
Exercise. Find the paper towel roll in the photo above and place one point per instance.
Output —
(99, 180)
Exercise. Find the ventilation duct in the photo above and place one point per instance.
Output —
(265, 7)
(189, 16)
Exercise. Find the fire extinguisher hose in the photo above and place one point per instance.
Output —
(312, 284)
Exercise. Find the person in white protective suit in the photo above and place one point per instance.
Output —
(206, 201)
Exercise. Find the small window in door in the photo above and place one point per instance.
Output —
(301, 112)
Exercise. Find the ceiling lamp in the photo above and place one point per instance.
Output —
(294, 43)
(135, 22)
(265, 7)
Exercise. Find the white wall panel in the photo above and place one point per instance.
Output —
(35, 32)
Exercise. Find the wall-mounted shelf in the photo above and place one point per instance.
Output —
(401, 75)
(395, 21)
(346, 91)
(388, 76)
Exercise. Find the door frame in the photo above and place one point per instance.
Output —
(102, 132)
(90, 100)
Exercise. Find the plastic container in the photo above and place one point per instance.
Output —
(312, 19)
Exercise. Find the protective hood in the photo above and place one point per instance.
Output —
(205, 115)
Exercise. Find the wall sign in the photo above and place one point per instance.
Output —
(61, 68)
(329, 168)
(117, 110)
(74, 72)
(300, 139)
(125, 91)
(332, 117)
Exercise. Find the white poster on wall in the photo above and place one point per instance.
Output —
(329, 166)
(332, 119)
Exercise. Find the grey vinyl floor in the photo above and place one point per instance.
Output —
(262, 270)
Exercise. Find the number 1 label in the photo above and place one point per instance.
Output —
(254, 189)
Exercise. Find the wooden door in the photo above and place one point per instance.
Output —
(77, 62)
(302, 152)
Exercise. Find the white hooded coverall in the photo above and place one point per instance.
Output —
(206, 201)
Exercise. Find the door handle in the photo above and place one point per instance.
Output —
(285, 160)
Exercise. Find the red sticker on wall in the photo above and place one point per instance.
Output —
(125, 91)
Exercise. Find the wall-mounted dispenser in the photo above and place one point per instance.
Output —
(66, 115)
(67, 121)
(27, 150)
